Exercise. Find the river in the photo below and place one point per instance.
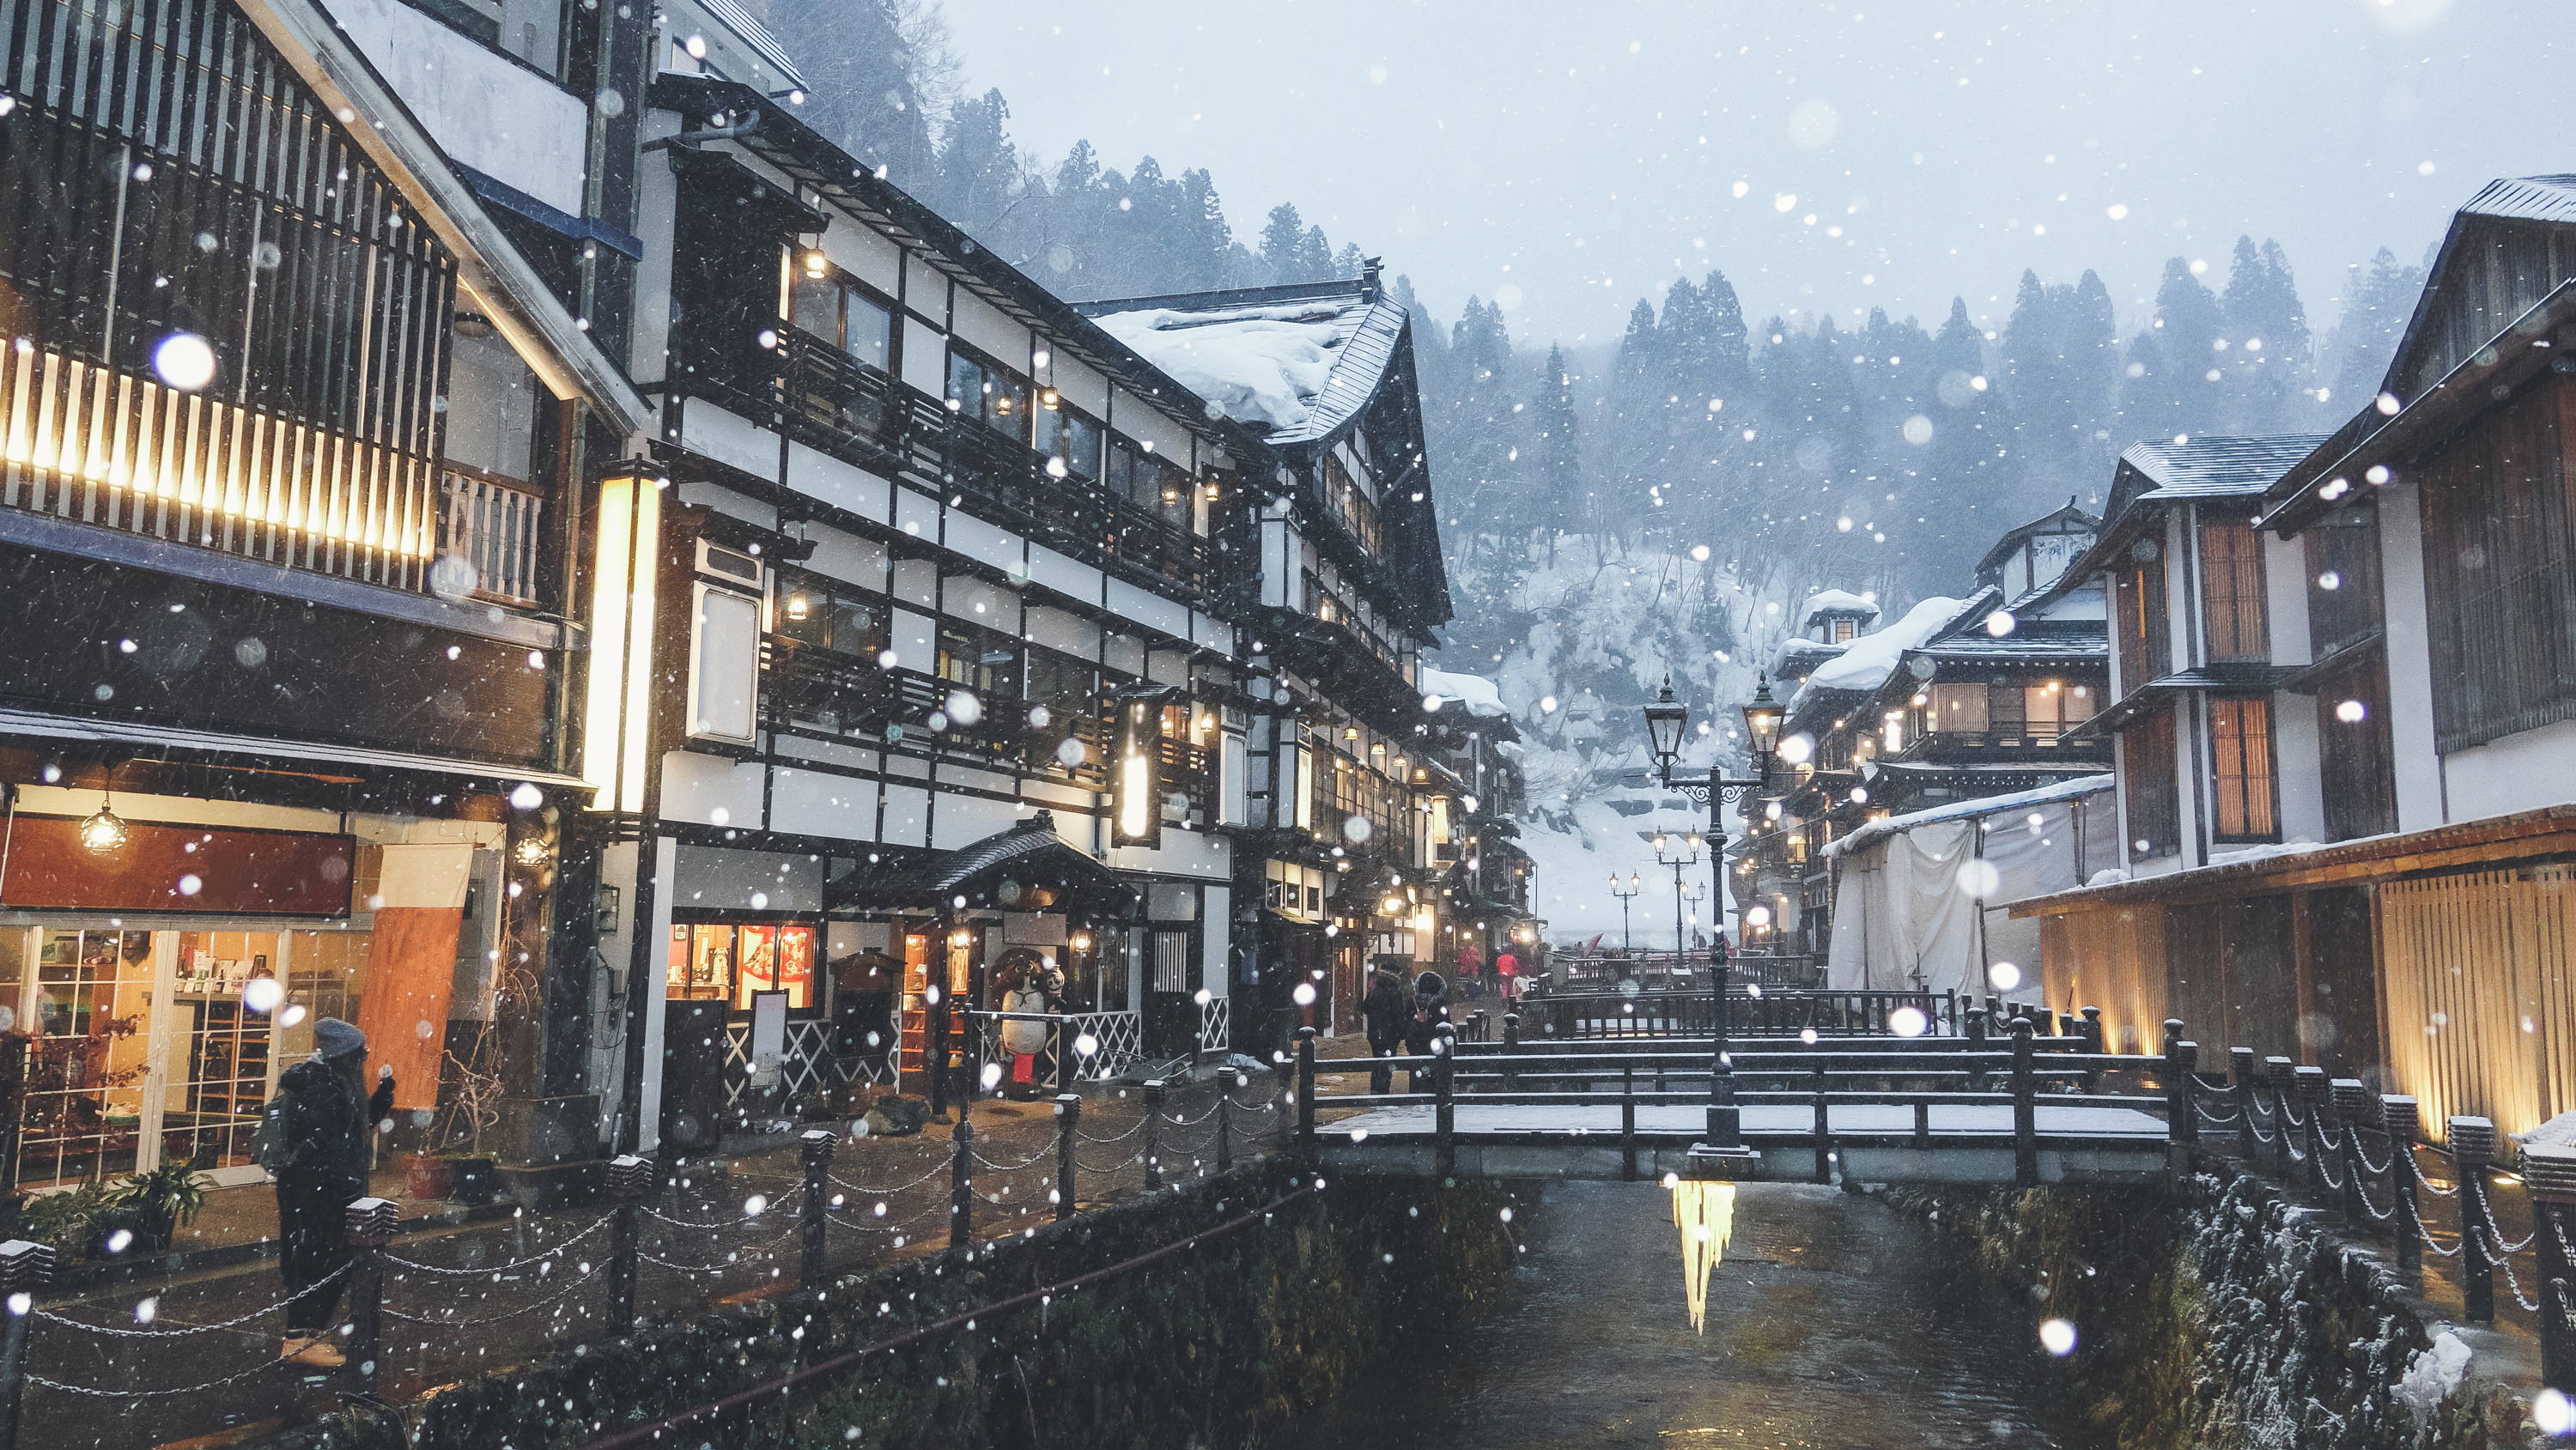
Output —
(1833, 1324)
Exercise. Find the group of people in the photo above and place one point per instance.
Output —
(1397, 1018)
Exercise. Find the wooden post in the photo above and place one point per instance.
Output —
(368, 1226)
(814, 1151)
(1305, 1117)
(1978, 1025)
(2397, 1118)
(13, 1111)
(2473, 1144)
(1068, 1127)
(2314, 1095)
(1511, 1049)
(1628, 1122)
(1153, 1145)
(2240, 1070)
(1819, 1085)
(1065, 1064)
(2281, 1076)
(25, 1269)
(1225, 1087)
(1444, 1055)
(2182, 1100)
(2549, 1178)
(961, 1179)
(628, 1179)
(2091, 1032)
(2351, 1098)
(936, 1009)
(2025, 1107)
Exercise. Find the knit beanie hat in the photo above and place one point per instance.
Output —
(335, 1038)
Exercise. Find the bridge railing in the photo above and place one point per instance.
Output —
(1751, 1011)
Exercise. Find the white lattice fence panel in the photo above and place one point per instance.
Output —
(1216, 1024)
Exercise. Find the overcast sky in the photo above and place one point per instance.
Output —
(1565, 157)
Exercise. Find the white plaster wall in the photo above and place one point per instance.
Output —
(864, 252)
(2294, 752)
(2285, 598)
(982, 325)
(1081, 386)
(821, 476)
(813, 803)
(712, 878)
(710, 790)
(498, 117)
(2518, 773)
(849, 558)
(925, 356)
(729, 438)
(907, 815)
(2410, 658)
(1063, 575)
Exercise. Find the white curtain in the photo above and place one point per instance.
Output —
(1905, 911)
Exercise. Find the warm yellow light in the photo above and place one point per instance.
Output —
(1135, 796)
(1705, 1214)
(800, 606)
(618, 703)
(103, 832)
(817, 265)
(1048, 399)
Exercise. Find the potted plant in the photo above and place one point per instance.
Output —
(427, 1175)
(151, 1206)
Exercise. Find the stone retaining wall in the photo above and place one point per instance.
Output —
(2215, 1315)
(1221, 1345)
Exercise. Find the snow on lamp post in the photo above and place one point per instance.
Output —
(1724, 1154)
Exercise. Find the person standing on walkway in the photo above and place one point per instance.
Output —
(1388, 1013)
(316, 1141)
(1430, 1008)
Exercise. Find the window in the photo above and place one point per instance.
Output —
(2240, 740)
(829, 306)
(728, 963)
(2154, 795)
(989, 393)
(1149, 482)
(1068, 436)
(1959, 709)
(811, 614)
(2231, 590)
(724, 677)
(2047, 708)
(2343, 580)
(1839, 631)
(2355, 769)
(1067, 690)
(2499, 577)
(1350, 507)
(2146, 641)
(979, 659)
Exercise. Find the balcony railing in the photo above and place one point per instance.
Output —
(493, 524)
(846, 694)
(832, 399)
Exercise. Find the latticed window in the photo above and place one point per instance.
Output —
(2499, 577)
(2231, 590)
(2145, 640)
(2147, 778)
(2240, 738)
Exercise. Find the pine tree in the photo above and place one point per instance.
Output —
(1283, 232)
(1552, 461)
(978, 173)
(2188, 327)
(2267, 337)
(2378, 301)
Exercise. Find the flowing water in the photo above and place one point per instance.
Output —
(1833, 1323)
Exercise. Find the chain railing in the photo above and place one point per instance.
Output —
(549, 1282)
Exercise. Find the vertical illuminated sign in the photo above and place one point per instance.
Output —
(1136, 771)
(617, 710)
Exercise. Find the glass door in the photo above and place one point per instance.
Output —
(87, 1004)
(217, 1047)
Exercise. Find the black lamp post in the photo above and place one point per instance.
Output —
(1677, 854)
(1724, 1154)
(1636, 886)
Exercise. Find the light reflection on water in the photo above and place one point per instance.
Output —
(1832, 1324)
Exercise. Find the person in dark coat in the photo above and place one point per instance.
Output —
(1388, 1013)
(326, 1133)
(1430, 1009)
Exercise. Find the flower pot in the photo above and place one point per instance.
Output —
(475, 1180)
(428, 1176)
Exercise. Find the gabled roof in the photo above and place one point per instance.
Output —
(2210, 467)
(1300, 360)
(1029, 854)
(2526, 198)
(2496, 262)
(2051, 522)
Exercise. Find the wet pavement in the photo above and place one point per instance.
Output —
(1833, 1324)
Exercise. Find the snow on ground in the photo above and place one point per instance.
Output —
(1592, 635)
(1258, 364)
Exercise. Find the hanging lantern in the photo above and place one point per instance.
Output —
(104, 831)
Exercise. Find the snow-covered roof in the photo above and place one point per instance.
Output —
(1798, 655)
(1877, 831)
(1828, 602)
(2527, 198)
(1867, 662)
(2217, 467)
(1300, 365)
(1477, 693)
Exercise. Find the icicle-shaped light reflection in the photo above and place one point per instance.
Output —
(1705, 1213)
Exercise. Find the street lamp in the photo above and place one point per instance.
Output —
(1724, 1155)
(1636, 885)
(1678, 854)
